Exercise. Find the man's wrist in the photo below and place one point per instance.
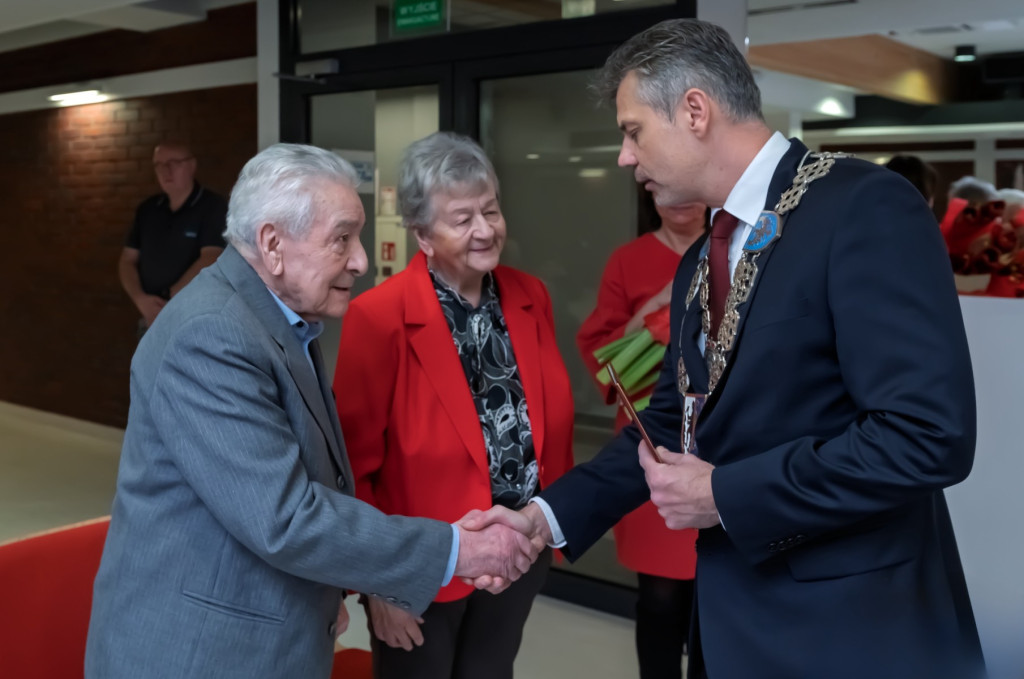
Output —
(453, 556)
(538, 524)
(545, 526)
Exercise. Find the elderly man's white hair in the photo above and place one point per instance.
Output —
(1014, 199)
(276, 187)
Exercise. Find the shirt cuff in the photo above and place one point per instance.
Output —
(453, 557)
(557, 538)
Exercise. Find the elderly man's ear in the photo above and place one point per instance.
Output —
(269, 245)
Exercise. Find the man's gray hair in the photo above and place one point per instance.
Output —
(440, 163)
(677, 55)
(274, 188)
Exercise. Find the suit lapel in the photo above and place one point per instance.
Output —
(782, 179)
(689, 348)
(338, 451)
(249, 285)
(309, 387)
(688, 339)
(432, 343)
(525, 336)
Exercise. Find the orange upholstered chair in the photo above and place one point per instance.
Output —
(45, 599)
(46, 596)
(352, 663)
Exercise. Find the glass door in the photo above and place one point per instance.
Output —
(566, 202)
(567, 205)
(520, 88)
(370, 129)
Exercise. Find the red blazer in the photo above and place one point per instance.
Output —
(407, 414)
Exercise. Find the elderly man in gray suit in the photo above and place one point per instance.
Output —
(234, 530)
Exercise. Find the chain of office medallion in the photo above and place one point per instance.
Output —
(717, 349)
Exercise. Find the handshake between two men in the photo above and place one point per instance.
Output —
(498, 545)
(496, 548)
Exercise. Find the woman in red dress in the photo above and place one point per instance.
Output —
(637, 281)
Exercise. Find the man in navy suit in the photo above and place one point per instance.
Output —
(821, 340)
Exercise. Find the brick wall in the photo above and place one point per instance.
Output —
(70, 180)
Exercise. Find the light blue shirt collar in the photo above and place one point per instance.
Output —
(305, 331)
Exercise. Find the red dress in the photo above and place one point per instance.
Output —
(636, 272)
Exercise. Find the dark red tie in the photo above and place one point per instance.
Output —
(718, 266)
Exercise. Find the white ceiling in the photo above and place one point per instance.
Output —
(16, 15)
(40, 21)
(937, 26)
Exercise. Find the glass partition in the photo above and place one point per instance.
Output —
(567, 206)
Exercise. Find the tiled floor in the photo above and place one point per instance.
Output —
(55, 471)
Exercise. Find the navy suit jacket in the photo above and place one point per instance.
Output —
(846, 408)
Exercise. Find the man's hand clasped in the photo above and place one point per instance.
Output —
(498, 545)
(680, 488)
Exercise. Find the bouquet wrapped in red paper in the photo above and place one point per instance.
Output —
(977, 240)
(981, 241)
(637, 357)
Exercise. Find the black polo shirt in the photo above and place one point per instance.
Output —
(169, 242)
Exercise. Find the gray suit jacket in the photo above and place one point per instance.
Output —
(233, 526)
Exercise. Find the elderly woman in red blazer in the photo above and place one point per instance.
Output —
(456, 399)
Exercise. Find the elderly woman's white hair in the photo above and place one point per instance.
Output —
(440, 163)
(1014, 199)
(275, 187)
(973, 190)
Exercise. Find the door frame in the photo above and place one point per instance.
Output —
(296, 94)
(455, 62)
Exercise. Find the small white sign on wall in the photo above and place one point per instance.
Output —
(363, 162)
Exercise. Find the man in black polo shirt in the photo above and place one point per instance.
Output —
(175, 234)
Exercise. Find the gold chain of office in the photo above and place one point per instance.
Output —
(717, 349)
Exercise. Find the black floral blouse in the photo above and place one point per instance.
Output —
(485, 350)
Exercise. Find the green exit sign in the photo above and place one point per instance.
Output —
(415, 15)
